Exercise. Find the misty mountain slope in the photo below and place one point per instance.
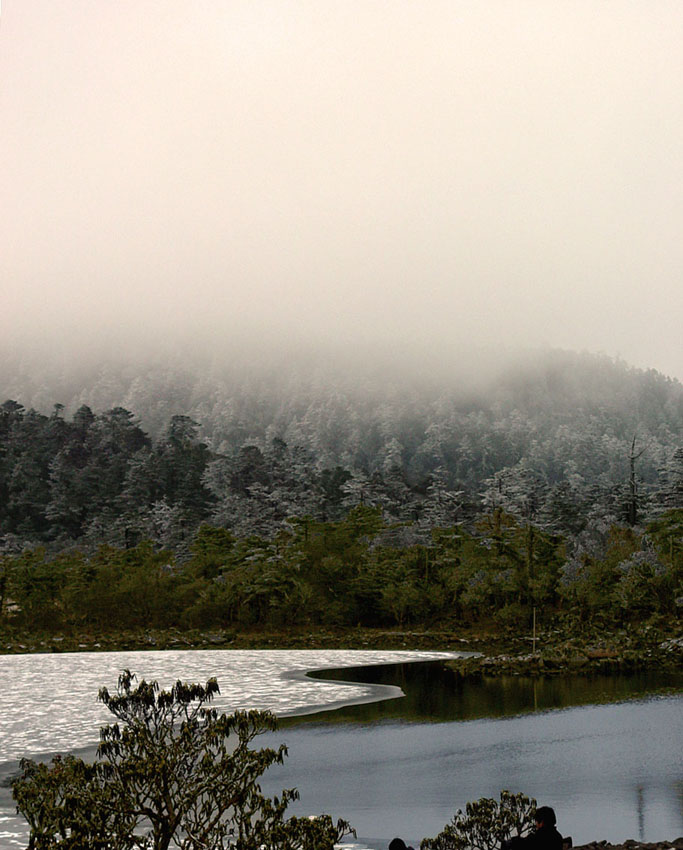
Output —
(555, 410)
(168, 445)
(575, 410)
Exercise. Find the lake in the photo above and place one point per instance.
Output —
(397, 766)
(612, 770)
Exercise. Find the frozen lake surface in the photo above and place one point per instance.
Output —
(612, 771)
(49, 703)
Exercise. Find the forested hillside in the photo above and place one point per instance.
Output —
(565, 442)
(285, 499)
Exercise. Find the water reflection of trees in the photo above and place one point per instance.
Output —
(435, 693)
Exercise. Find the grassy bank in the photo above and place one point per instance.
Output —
(501, 652)
(295, 638)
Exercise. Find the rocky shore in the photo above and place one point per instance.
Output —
(294, 638)
(605, 656)
(490, 653)
(632, 844)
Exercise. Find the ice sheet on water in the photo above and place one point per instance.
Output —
(48, 702)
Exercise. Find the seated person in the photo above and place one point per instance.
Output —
(545, 837)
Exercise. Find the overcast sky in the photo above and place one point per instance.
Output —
(423, 173)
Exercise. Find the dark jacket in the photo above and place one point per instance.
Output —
(545, 838)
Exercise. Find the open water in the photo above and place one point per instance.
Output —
(394, 766)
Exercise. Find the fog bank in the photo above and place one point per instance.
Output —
(342, 174)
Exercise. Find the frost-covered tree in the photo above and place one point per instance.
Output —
(442, 505)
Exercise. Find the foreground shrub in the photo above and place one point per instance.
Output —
(486, 823)
(172, 772)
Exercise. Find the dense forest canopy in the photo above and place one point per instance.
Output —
(188, 498)
(561, 440)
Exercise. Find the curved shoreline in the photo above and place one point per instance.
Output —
(32, 720)
(380, 692)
